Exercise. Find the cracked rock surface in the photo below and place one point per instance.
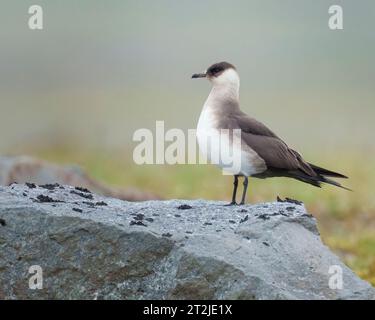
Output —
(92, 247)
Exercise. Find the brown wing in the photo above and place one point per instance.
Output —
(250, 125)
(270, 147)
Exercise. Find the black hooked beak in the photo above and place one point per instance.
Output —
(198, 75)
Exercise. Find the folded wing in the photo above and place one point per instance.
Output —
(274, 151)
(279, 158)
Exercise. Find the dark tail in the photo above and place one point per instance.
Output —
(321, 176)
(333, 182)
(325, 172)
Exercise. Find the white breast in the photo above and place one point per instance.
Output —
(211, 140)
(207, 134)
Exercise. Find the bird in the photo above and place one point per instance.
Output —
(263, 153)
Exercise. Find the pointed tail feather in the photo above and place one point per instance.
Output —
(315, 181)
(325, 172)
(334, 183)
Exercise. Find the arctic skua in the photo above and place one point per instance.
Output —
(263, 153)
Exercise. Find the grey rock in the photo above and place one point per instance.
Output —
(103, 248)
(21, 169)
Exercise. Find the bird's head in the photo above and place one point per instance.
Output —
(222, 73)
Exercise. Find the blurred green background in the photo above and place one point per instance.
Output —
(76, 91)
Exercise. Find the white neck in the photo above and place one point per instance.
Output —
(225, 88)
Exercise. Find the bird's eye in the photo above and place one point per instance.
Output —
(215, 70)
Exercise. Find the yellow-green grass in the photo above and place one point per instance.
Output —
(346, 219)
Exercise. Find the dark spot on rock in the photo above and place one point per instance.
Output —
(289, 200)
(242, 210)
(290, 208)
(218, 230)
(19, 258)
(184, 207)
(177, 215)
(2, 222)
(24, 194)
(189, 232)
(281, 212)
(167, 235)
(294, 201)
(139, 217)
(155, 215)
(85, 190)
(263, 217)
(266, 244)
(208, 224)
(244, 219)
(30, 185)
(83, 195)
(307, 215)
(88, 203)
(43, 198)
(137, 223)
(49, 186)
(149, 219)
(232, 221)
(101, 203)
(77, 210)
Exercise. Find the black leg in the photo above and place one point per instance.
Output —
(235, 185)
(245, 183)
